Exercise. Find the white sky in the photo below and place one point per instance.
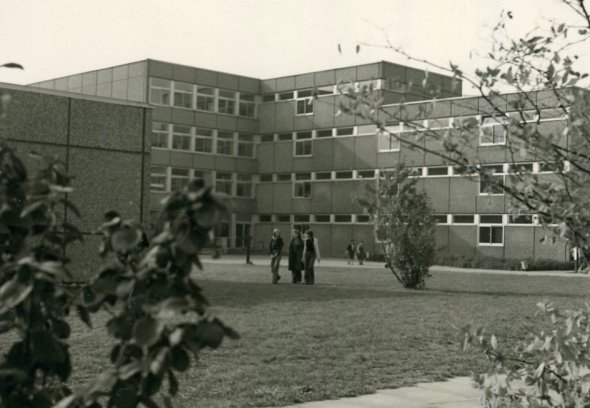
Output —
(258, 38)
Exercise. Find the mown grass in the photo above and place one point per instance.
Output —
(355, 331)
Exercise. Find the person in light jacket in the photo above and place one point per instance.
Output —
(275, 248)
(311, 253)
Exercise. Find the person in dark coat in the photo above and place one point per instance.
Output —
(311, 253)
(361, 255)
(296, 256)
(350, 252)
(275, 248)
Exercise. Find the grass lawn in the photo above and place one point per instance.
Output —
(353, 332)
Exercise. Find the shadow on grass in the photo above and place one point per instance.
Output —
(496, 293)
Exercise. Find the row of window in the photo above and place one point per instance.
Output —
(168, 179)
(320, 91)
(315, 218)
(432, 171)
(492, 130)
(201, 97)
(202, 140)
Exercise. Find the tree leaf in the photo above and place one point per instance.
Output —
(12, 293)
(146, 331)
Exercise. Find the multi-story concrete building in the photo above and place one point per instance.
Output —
(282, 151)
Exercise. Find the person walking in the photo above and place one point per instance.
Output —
(248, 245)
(296, 255)
(350, 252)
(276, 251)
(311, 253)
(361, 255)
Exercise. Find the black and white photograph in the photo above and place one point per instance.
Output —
(294, 203)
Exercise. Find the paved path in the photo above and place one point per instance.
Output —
(455, 393)
(341, 263)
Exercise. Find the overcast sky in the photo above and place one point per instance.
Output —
(258, 38)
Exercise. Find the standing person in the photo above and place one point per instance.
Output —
(248, 244)
(311, 252)
(296, 256)
(350, 251)
(361, 255)
(276, 251)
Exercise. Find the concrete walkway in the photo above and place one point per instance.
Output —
(341, 263)
(455, 393)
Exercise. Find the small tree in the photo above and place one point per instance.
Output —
(404, 226)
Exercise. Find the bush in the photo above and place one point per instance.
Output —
(548, 369)
(486, 262)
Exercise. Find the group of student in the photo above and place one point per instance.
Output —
(357, 251)
(303, 253)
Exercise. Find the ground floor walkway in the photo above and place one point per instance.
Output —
(455, 393)
(342, 263)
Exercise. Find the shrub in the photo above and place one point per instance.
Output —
(550, 368)
(462, 261)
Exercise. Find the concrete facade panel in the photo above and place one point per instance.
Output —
(104, 90)
(89, 79)
(282, 197)
(160, 157)
(247, 125)
(344, 158)
(324, 78)
(305, 122)
(341, 236)
(462, 239)
(227, 122)
(266, 158)
(203, 161)
(491, 251)
(61, 84)
(136, 89)
(285, 111)
(225, 163)
(181, 159)
(324, 112)
(247, 166)
(547, 249)
(321, 197)
(342, 197)
(268, 86)
(205, 77)
(365, 156)
(438, 192)
(249, 85)
(491, 204)
(387, 159)
(467, 189)
(346, 74)
(109, 126)
(286, 83)
(283, 157)
(518, 241)
(266, 116)
(323, 155)
(206, 120)
(120, 72)
(183, 74)
(75, 81)
(120, 89)
(160, 69)
(227, 81)
(305, 81)
(465, 107)
(137, 69)
(441, 238)
(265, 193)
(105, 76)
(301, 205)
(183, 117)
(367, 72)
(302, 164)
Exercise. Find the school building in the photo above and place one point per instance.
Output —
(280, 148)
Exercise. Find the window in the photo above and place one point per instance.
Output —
(181, 137)
(302, 189)
(247, 105)
(521, 168)
(283, 218)
(342, 218)
(205, 98)
(553, 114)
(545, 167)
(321, 218)
(440, 219)
(285, 136)
(388, 138)
(264, 218)
(160, 91)
(268, 98)
(183, 95)
(491, 184)
(463, 219)
(223, 183)
(266, 178)
(301, 218)
(305, 106)
(441, 123)
(226, 103)
(348, 131)
(245, 145)
(203, 140)
(158, 179)
(303, 144)
(363, 218)
(267, 138)
(244, 185)
(520, 219)
(222, 230)
(225, 143)
(285, 96)
(284, 177)
(492, 131)
(437, 171)
(325, 90)
(202, 175)
(327, 175)
(491, 231)
(179, 179)
(302, 176)
(323, 133)
(160, 135)
(365, 174)
(341, 175)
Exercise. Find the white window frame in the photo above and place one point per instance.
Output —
(303, 141)
(249, 183)
(211, 139)
(189, 135)
(491, 226)
(498, 122)
(166, 177)
(306, 102)
(183, 92)
(304, 183)
(161, 133)
(503, 175)
(210, 98)
(387, 132)
(161, 89)
(225, 140)
(226, 181)
(227, 101)
(249, 104)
